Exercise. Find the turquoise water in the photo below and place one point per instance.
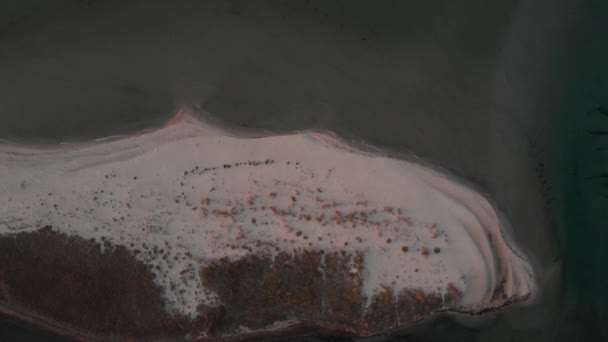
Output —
(580, 125)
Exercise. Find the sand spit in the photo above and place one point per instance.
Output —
(202, 208)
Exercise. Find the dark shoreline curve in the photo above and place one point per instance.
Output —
(31, 326)
(14, 324)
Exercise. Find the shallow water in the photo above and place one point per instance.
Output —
(495, 95)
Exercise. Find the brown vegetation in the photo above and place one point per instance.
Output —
(310, 286)
(71, 281)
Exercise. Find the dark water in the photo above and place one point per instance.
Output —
(581, 135)
(503, 93)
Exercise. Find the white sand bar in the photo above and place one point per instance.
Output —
(190, 193)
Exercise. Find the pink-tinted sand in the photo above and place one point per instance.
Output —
(190, 193)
